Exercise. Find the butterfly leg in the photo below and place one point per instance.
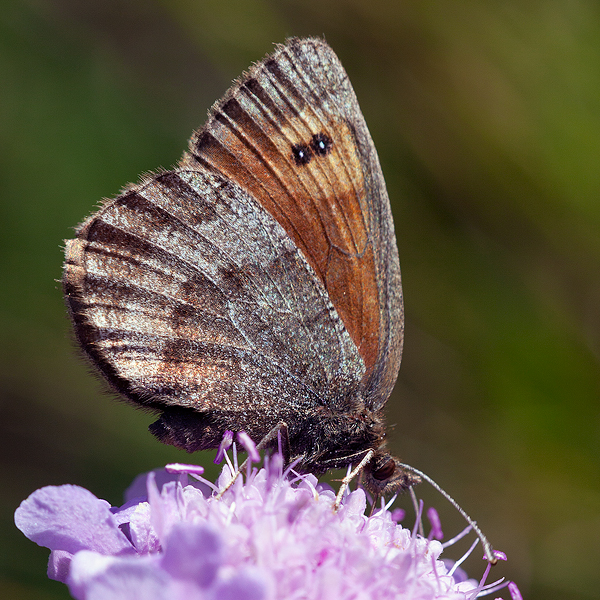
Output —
(346, 481)
(281, 429)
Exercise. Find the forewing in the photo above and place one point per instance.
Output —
(291, 133)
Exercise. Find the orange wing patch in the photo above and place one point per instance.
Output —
(305, 170)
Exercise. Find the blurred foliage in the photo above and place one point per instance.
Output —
(486, 116)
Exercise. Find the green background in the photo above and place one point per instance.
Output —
(486, 116)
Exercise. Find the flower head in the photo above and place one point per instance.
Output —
(272, 536)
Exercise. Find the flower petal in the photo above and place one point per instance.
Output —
(138, 488)
(193, 551)
(97, 577)
(247, 584)
(59, 564)
(166, 505)
(70, 518)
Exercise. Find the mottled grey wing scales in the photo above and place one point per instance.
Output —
(187, 294)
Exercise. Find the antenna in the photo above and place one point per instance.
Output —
(487, 547)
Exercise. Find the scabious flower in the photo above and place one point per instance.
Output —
(274, 536)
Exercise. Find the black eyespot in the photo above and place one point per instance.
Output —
(321, 144)
(302, 154)
(385, 471)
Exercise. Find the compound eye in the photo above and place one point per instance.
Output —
(385, 471)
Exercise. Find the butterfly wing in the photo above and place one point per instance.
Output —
(185, 293)
(291, 133)
(261, 276)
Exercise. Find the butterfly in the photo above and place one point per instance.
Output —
(257, 284)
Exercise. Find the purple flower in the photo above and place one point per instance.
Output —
(274, 536)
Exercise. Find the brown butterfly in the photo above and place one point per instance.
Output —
(257, 284)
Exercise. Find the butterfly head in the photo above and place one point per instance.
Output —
(384, 475)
